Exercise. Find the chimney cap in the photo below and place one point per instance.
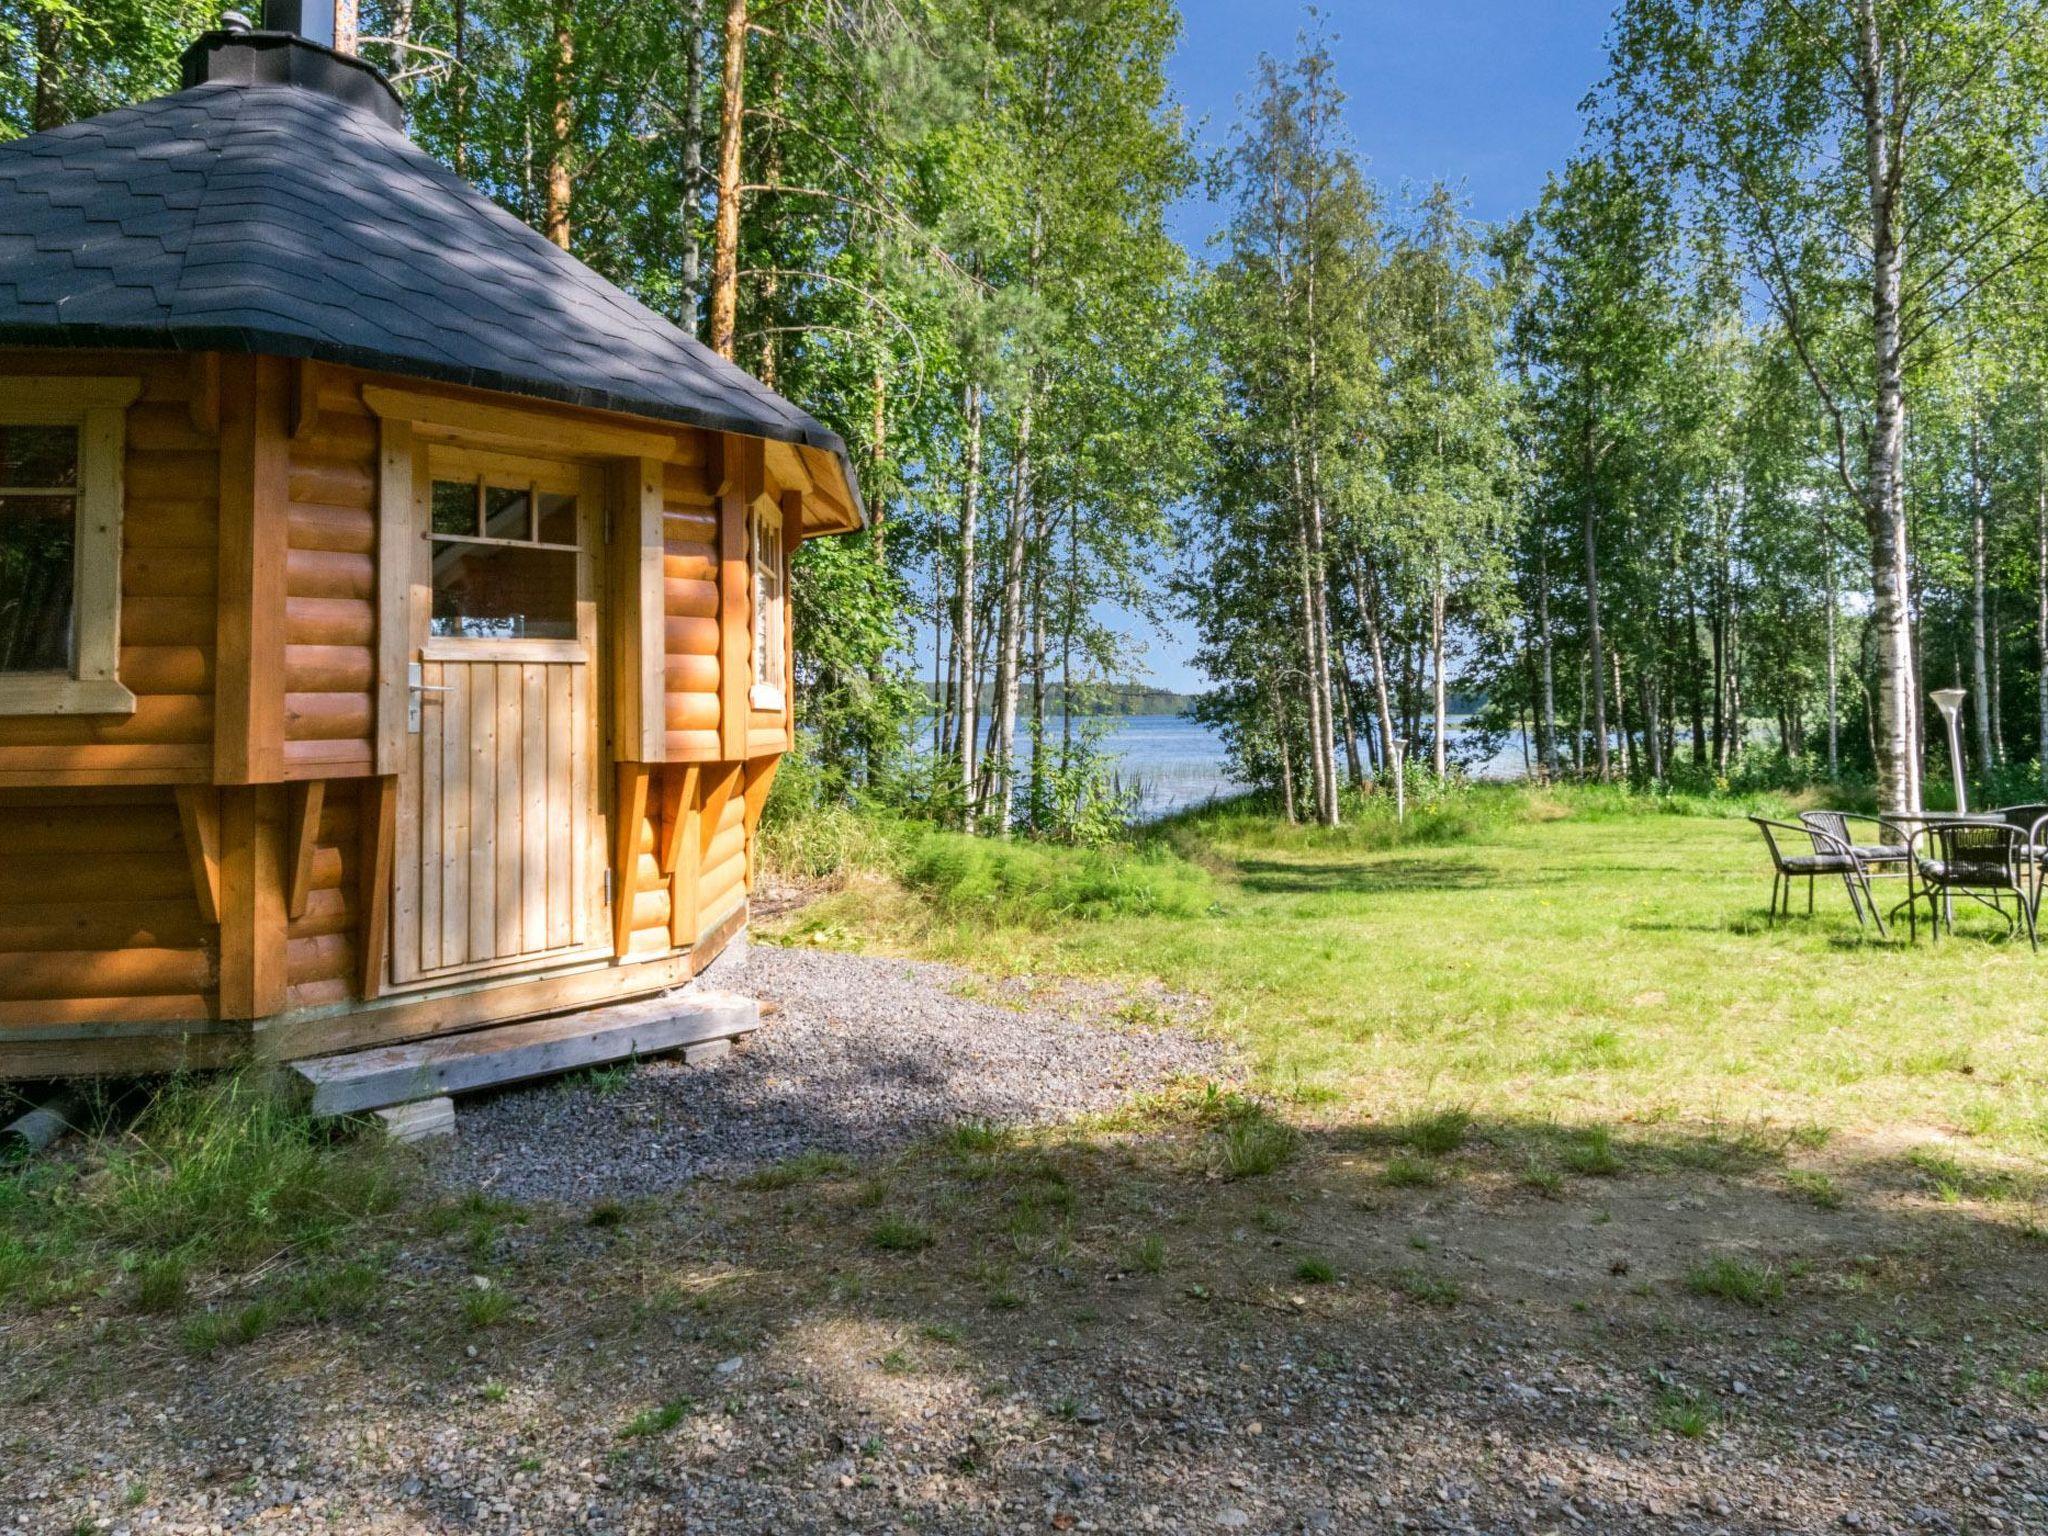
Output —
(285, 58)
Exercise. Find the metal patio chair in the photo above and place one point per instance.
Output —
(2032, 820)
(1983, 860)
(1882, 851)
(1830, 856)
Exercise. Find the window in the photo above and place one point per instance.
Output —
(770, 631)
(504, 560)
(60, 545)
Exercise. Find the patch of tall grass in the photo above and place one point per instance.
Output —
(1033, 884)
(220, 1173)
(825, 844)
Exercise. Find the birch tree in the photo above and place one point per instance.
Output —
(1877, 163)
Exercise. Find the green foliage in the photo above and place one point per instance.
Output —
(63, 60)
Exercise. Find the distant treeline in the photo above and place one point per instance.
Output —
(1117, 699)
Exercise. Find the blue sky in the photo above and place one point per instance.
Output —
(1482, 92)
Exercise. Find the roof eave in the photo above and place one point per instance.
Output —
(244, 340)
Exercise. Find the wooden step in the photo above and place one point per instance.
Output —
(355, 1081)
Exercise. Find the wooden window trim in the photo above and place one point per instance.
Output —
(479, 424)
(98, 408)
(767, 694)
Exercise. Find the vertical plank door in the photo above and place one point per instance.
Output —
(500, 840)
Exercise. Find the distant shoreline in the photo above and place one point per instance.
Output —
(1120, 701)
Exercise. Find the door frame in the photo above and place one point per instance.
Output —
(594, 497)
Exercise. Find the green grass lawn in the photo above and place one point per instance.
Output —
(1535, 961)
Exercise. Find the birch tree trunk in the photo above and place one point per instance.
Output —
(999, 777)
(1898, 775)
(966, 678)
(1579, 734)
(725, 227)
(2041, 602)
(1620, 713)
(1980, 668)
(1365, 588)
(1286, 758)
(1597, 653)
(1343, 687)
(1997, 681)
(1439, 756)
(1318, 740)
(1546, 717)
(1036, 799)
(1653, 722)
(1833, 653)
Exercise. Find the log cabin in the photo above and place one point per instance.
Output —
(394, 615)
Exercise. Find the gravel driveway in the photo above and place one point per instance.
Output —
(858, 1055)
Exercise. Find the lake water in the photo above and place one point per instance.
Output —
(1174, 762)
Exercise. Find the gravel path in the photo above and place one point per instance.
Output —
(863, 1055)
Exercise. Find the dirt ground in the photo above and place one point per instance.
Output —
(1122, 1325)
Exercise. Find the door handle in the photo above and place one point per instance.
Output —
(416, 686)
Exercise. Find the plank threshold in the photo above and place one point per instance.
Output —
(353, 1082)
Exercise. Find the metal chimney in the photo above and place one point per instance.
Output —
(311, 19)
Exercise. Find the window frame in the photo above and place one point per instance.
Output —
(766, 693)
(491, 468)
(98, 409)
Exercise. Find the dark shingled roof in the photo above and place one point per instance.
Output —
(262, 217)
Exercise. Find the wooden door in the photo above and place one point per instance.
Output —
(501, 848)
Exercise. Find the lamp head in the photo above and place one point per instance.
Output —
(1948, 700)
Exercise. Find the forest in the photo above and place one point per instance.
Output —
(1704, 469)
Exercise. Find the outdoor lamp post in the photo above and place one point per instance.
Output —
(1949, 701)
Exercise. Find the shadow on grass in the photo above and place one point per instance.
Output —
(1370, 877)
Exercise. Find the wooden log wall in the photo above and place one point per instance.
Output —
(322, 959)
(646, 889)
(124, 907)
(722, 877)
(168, 571)
(99, 915)
(690, 591)
(330, 585)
